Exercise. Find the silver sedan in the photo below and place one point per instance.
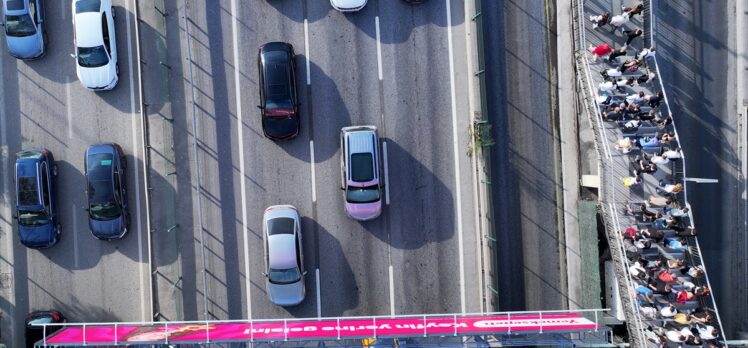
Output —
(284, 259)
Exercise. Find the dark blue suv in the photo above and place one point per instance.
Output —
(36, 202)
(105, 165)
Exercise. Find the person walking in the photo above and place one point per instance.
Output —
(617, 53)
(599, 21)
(620, 20)
(636, 10)
(632, 34)
(601, 51)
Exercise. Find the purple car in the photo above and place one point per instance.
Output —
(359, 172)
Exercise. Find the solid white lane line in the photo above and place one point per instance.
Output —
(306, 51)
(314, 177)
(392, 292)
(379, 48)
(240, 126)
(76, 255)
(135, 112)
(456, 152)
(69, 108)
(319, 302)
(5, 203)
(386, 174)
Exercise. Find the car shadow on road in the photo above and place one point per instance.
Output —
(398, 19)
(430, 214)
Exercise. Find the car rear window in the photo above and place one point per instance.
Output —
(15, 5)
(280, 226)
(83, 6)
(100, 166)
(362, 167)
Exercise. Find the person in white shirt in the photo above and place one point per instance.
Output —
(708, 332)
(668, 311)
(646, 52)
(672, 153)
(662, 159)
(620, 20)
(608, 86)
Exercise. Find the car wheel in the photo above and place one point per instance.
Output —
(54, 170)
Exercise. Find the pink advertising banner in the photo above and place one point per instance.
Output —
(349, 328)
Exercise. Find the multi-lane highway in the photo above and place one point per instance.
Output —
(44, 105)
(392, 65)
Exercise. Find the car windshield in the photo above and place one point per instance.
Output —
(104, 211)
(282, 225)
(82, 6)
(367, 194)
(33, 218)
(362, 167)
(284, 276)
(92, 57)
(19, 25)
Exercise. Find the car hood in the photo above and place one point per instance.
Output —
(108, 229)
(348, 4)
(286, 294)
(364, 211)
(37, 236)
(25, 47)
(99, 77)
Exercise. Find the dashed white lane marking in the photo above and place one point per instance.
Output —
(69, 108)
(319, 303)
(392, 291)
(306, 52)
(76, 255)
(379, 48)
(135, 113)
(240, 132)
(386, 174)
(455, 148)
(314, 177)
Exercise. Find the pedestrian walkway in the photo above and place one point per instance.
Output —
(643, 196)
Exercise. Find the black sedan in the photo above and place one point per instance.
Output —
(108, 217)
(278, 99)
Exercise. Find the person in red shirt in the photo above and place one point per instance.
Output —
(601, 51)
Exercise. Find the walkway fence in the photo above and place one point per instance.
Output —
(613, 166)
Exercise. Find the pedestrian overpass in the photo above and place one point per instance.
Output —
(547, 328)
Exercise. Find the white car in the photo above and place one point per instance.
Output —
(95, 44)
(348, 5)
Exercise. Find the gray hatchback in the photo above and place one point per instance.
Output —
(24, 28)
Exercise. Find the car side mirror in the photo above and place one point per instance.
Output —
(264, 274)
(85, 208)
(15, 217)
(260, 107)
(73, 55)
(342, 188)
(305, 272)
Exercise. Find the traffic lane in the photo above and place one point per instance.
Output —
(422, 214)
(44, 115)
(344, 92)
(276, 172)
(695, 78)
(518, 97)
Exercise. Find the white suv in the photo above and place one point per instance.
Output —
(95, 44)
(348, 5)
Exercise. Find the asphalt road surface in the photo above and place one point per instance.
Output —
(697, 45)
(44, 105)
(390, 65)
(520, 80)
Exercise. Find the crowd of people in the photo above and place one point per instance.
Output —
(669, 290)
